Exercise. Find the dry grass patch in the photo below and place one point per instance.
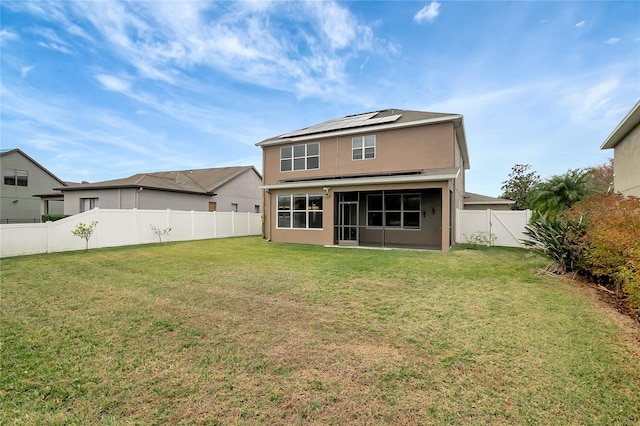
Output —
(242, 331)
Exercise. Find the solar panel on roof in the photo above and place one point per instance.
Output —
(344, 123)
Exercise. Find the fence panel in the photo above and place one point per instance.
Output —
(118, 227)
(507, 226)
(23, 238)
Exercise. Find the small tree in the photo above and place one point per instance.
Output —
(519, 186)
(160, 231)
(85, 231)
(600, 178)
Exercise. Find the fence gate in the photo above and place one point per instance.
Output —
(506, 226)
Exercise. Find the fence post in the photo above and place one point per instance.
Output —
(96, 217)
(193, 225)
(215, 225)
(49, 236)
(136, 226)
(233, 224)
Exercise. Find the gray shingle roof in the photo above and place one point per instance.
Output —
(471, 198)
(357, 121)
(198, 181)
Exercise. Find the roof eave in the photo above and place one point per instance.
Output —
(90, 188)
(375, 180)
(507, 202)
(628, 123)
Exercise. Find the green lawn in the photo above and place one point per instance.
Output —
(242, 331)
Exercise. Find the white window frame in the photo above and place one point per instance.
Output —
(309, 210)
(363, 148)
(19, 177)
(300, 156)
(402, 211)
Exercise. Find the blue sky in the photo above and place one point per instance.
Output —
(103, 90)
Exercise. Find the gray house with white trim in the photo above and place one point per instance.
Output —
(215, 189)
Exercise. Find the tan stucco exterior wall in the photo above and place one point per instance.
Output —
(325, 236)
(626, 164)
(414, 148)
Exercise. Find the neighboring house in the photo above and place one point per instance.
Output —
(483, 202)
(390, 178)
(23, 181)
(625, 141)
(217, 189)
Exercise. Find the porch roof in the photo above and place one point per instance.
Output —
(432, 175)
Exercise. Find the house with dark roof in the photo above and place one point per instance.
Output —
(483, 202)
(389, 178)
(214, 189)
(24, 183)
(625, 142)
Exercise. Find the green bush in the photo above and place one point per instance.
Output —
(53, 217)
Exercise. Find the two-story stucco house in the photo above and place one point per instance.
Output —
(625, 141)
(390, 178)
(24, 183)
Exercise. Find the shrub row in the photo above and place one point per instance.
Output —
(599, 237)
(52, 217)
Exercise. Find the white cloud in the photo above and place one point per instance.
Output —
(24, 71)
(581, 24)
(6, 35)
(114, 83)
(612, 40)
(428, 13)
(246, 41)
(339, 27)
(53, 46)
(51, 40)
(586, 102)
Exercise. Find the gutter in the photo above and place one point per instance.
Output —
(376, 180)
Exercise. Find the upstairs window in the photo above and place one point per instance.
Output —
(364, 147)
(16, 177)
(300, 157)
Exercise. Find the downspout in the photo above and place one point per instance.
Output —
(265, 192)
(137, 196)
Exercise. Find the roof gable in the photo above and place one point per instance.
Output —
(20, 152)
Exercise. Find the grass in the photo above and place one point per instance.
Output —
(242, 331)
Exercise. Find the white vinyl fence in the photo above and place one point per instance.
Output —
(125, 227)
(507, 226)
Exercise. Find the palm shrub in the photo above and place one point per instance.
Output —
(558, 193)
(558, 237)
